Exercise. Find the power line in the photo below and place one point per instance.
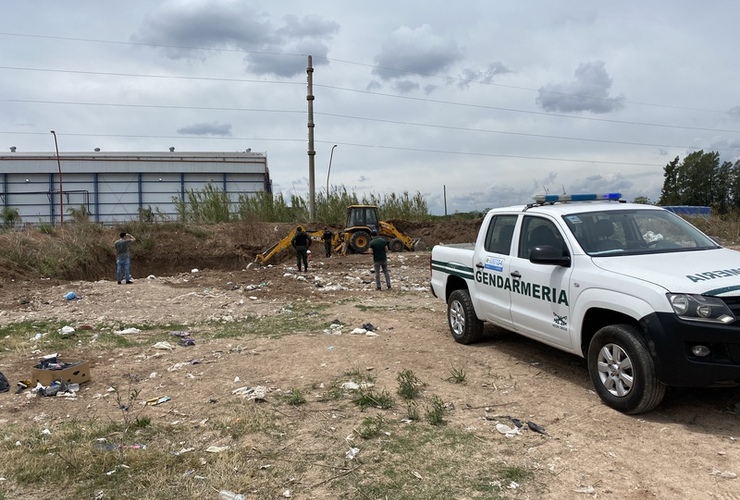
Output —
(360, 145)
(353, 117)
(354, 63)
(382, 94)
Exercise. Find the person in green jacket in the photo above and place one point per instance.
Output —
(380, 259)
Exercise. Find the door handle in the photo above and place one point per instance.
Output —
(479, 265)
(516, 274)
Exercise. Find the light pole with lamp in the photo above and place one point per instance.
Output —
(331, 155)
(61, 190)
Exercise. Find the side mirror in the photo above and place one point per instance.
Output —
(550, 255)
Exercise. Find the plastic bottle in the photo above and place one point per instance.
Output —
(230, 495)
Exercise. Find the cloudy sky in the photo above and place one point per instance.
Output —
(487, 100)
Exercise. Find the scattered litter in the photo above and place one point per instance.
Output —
(358, 331)
(158, 401)
(369, 327)
(46, 432)
(216, 449)
(66, 330)
(4, 384)
(151, 277)
(725, 474)
(230, 495)
(70, 296)
(257, 393)
(164, 345)
(586, 489)
(507, 431)
(194, 271)
(354, 386)
(127, 331)
(182, 451)
(180, 334)
(352, 453)
(187, 341)
(537, 428)
(417, 476)
(21, 386)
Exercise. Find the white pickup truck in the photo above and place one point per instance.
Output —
(648, 299)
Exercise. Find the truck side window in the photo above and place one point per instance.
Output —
(537, 231)
(499, 235)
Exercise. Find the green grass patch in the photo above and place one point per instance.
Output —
(413, 461)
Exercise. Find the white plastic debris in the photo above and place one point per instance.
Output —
(194, 271)
(725, 474)
(507, 431)
(352, 453)
(127, 331)
(590, 490)
(359, 331)
(257, 393)
(164, 345)
(66, 330)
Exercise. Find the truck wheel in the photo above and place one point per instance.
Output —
(465, 326)
(359, 241)
(396, 245)
(622, 370)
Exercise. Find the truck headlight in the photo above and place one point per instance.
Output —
(700, 308)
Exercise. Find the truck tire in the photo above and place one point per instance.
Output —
(464, 324)
(622, 370)
(359, 241)
(396, 245)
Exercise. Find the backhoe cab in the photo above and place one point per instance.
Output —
(362, 220)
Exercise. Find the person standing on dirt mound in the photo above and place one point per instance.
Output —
(327, 236)
(380, 260)
(301, 241)
(123, 257)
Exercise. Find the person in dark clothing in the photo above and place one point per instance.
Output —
(301, 241)
(327, 236)
(380, 259)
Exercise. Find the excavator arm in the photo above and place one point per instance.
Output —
(316, 236)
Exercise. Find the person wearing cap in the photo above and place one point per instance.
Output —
(123, 257)
(380, 260)
(301, 241)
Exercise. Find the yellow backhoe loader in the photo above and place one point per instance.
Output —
(362, 220)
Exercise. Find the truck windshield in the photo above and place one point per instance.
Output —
(630, 232)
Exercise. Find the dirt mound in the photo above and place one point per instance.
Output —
(76, 253)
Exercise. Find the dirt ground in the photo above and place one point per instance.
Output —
(687, 448)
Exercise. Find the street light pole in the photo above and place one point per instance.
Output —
(331, 155)
(61, 190)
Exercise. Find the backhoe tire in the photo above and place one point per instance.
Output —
(396, 245)
(359, 241)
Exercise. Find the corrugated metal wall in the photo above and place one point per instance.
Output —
(114, 187)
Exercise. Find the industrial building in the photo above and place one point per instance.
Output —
(116, 187)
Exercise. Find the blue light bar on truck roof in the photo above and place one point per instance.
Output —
(552, 198)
